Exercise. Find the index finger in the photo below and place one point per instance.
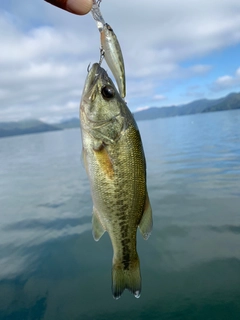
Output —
(80, 7)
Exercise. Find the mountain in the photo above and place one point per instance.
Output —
(232, 101)
(8, 129)
(68, 124)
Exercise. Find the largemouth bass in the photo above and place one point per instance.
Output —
(115, 163)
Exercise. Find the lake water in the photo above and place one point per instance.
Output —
(52, 269)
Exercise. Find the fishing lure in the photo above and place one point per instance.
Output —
(110, 48)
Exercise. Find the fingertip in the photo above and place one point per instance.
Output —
(80, 7)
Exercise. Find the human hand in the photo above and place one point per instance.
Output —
(75, 6)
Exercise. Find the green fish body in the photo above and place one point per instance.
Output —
(115, 163)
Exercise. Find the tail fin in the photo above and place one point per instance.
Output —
(126, 277)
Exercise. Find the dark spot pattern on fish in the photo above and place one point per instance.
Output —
(125, 242)
(124, 231)
(121, 217)
(126, 261)
(126, 253)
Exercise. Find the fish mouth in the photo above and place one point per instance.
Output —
(93, 76)
(96, 77)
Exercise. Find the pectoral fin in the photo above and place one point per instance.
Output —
(104, 161)
(97, 227)
(146, 222)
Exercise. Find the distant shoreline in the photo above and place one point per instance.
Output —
(230, 102)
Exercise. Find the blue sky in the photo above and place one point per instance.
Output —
(174, 51)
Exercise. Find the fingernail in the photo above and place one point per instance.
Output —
(58, 3)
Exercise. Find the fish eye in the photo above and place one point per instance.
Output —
(107, 92)
(109, 27)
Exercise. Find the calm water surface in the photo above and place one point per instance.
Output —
(52, 269)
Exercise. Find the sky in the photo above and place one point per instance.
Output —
(174, 52)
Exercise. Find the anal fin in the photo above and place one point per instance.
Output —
(146, 222)
(97, 227)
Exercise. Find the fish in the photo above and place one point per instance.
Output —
(115, 163)
(110, 48)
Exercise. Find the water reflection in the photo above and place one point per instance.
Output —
(50, 266)
(58, 224)
(70, 283)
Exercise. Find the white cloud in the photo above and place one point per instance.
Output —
(42, 71)
(142, 108)
(227, 82)
(238, 72)
(159, 97)
(45, 51)
(200, 69)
